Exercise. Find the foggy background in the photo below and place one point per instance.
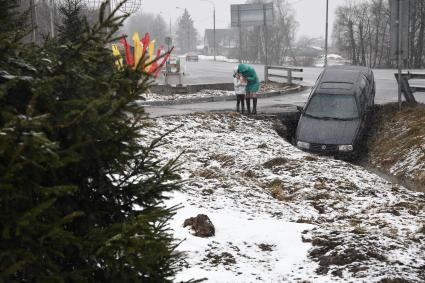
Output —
(310, 14)
(359, 31)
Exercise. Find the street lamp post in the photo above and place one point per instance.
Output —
(33, 13)
(326, 34)
(52, 18)
(212, 3)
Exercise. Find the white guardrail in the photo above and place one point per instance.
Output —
(289, 73)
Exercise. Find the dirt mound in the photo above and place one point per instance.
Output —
(201, 224)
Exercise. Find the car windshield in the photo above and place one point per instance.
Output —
(332, 106)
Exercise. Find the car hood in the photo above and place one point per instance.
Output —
(330, 131)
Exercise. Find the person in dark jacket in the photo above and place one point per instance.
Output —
(252, 87)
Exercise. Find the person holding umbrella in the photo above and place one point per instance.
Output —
(252, 87)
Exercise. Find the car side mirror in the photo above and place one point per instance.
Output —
(300, 109)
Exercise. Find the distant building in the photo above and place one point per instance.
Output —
(226, 42)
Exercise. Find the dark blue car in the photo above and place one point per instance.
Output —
(334, 119)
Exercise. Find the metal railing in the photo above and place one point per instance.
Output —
(289, 73)
(406, 88)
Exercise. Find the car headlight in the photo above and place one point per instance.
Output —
(302, 144)
(345, 147)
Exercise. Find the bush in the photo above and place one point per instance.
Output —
(80, 197)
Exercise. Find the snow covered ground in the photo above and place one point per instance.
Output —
(282, 215)
(219, 58)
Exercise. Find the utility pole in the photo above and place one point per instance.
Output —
(265, 36)
(188, 36)
(240, 34)
(215, 43)
(326, 34)
(214, 39)
(33, 21)
(52, 18)
(109, 11)
(399, 62)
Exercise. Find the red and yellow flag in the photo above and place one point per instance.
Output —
(128, 56)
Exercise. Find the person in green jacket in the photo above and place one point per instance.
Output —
(252, 86)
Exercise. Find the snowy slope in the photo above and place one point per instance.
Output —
(398, 147)
(282, 215)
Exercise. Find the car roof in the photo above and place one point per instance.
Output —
(346, 74)
(336, 79)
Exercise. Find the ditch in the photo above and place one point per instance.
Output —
(286, 123)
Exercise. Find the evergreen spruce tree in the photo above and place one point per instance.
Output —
(73, 22)
(186, 33)
(81, 200)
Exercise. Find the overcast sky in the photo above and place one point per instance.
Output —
(309, 13)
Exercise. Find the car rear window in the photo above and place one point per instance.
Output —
(336, 85)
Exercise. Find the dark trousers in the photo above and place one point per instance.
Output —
(240, 100)
(254, 105)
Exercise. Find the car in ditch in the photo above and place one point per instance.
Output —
(335, 118)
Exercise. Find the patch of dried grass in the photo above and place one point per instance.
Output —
(249, 174)
(396, 134)
(277, 190)
(278, 194)
(263, 145)
(319, 196)
(206, 173)
(148, 124)
(278, 161)
(311, 158)
(321, 185)
(225, 160)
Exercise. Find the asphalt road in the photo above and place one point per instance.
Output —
(221, 72)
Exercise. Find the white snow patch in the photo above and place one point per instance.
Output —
(240, 235)
(219, 58)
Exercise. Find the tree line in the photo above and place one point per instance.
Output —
(280, 36)
(361, 33)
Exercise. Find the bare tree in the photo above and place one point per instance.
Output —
(362, 33)
(280, 36)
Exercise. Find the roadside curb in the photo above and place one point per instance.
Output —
(218, 98)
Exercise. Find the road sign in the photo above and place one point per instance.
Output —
(251, 14)
(404, 26)
(168, 40)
